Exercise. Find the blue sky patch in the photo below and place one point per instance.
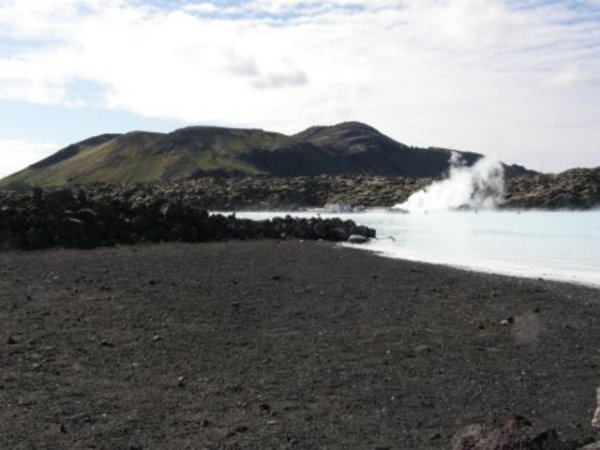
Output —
(86, 92)
(62, 125)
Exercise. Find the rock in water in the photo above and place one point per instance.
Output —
(357, 239)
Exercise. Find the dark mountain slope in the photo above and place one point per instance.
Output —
(353, 148)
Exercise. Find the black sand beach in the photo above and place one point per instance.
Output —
(281, 345)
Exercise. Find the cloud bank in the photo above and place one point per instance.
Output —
(518, 79)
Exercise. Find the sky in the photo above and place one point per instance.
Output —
(516, 79)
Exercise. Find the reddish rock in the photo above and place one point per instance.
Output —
(514, 433)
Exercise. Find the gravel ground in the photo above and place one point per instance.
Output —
(281, 345)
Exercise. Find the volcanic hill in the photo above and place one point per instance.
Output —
(349, 148)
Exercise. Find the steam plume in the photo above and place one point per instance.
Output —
(478, 186)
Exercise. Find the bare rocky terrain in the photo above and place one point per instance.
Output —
(574, 189)
(281, 345)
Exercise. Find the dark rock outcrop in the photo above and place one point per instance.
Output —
(107, 215)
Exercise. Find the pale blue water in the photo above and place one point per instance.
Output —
(561, 246)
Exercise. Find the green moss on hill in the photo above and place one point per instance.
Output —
(348, 148)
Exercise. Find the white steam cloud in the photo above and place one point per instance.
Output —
(480, 186)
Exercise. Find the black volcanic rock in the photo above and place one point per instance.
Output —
(106, 215)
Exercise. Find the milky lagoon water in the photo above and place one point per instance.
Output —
(561, 246)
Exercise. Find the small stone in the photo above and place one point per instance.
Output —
(205, 423)
(11, 340)
(106, 343)
(235, 304)
(419, 349)
(156, 338)
(180, 381)
(62, 429)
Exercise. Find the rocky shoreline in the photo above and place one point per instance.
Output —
(106, 216)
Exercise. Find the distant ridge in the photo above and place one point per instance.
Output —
(348, 148)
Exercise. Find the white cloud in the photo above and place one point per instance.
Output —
(18, 154)
(479, 75)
